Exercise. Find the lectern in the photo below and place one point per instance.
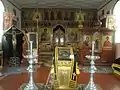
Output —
(65, 69)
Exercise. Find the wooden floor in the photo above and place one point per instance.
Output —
(13, 82)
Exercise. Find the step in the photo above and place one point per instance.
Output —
(45, 57)
(47, 53)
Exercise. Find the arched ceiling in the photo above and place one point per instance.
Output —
(59, 3)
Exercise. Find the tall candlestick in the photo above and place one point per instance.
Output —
(30, 85)
(91, 85)
(93, 46)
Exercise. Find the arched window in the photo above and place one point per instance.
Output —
(1, 19)
(116, 12)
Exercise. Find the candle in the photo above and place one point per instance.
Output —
(31, 47)
(93, 46)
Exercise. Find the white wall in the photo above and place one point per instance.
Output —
(9, 8)
(108, 7)
(117, 50)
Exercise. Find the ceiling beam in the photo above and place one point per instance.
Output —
(14, 5)
(105, 5)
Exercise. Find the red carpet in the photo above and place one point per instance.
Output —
(13, 82)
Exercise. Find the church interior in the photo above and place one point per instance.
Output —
(59, 45)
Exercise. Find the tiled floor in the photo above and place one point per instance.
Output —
(13, 82)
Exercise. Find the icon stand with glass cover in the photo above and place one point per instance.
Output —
(65, 69)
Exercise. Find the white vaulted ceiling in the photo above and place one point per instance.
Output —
(59, 3)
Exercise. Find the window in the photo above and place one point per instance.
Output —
(56, 40)
(62, 41)
(116, 12)
(1, 19)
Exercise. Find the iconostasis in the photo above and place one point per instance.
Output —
(67, 27)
